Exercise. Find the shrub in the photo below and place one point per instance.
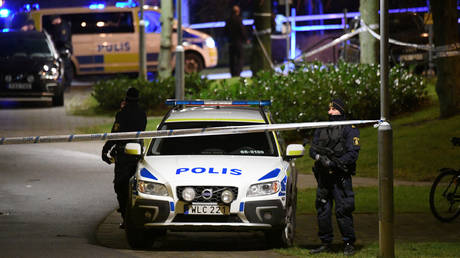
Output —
(300, 96)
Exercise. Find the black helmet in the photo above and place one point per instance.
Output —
(132, 94)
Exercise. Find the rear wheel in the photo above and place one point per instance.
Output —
(193, 62)
(445, 196)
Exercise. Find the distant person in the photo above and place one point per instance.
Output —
(131, 118)
(61, 34)
(236, 34)
(335, 151)
(19, 20)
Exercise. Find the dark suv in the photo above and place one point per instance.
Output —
(30, 66)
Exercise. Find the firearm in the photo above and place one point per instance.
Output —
(327, 155)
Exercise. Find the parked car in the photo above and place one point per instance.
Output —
(237, 182)
(30, 66)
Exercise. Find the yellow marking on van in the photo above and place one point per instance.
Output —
(121, 58)
(121, 68)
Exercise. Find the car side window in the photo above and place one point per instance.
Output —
(94, 23)
(152, 22)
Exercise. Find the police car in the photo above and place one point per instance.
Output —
(234, 182)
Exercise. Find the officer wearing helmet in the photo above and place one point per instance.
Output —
(131, 118)
(335, 151)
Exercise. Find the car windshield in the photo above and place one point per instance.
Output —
(250, 144)
(24, 47)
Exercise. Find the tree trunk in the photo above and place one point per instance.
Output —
(262, 21)
(166, 19)
(368, 44)
(448, 68)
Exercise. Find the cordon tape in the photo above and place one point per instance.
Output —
(180, 132)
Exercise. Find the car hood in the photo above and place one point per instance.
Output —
(210, 170)
(23, 64)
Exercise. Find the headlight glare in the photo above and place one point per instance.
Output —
(152, 188)
(263, 189)
(50, 73)
(210, 43)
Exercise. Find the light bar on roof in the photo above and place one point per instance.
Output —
(174, 102)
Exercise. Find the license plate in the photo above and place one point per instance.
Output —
(19, 86)
(206, 209)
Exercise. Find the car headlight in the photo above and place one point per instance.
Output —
(210, 43)
(188, 194)
(49, 72)
(152, 188)
(227, 196)
(263, 189)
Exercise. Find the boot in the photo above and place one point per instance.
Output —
(349, 249)
(323, 248)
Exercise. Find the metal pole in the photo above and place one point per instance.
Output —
(142, 55)
(385, 142)
(345, 12)
(179, 55)
(288, 32)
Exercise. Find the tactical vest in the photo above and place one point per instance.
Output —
(332, 138)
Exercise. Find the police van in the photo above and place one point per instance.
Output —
(235, 182)
(106, 39)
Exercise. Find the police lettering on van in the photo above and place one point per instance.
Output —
(106, 40)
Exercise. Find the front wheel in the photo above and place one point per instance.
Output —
(283, 236)
(138, 237)
(445, 196)
(193, 63)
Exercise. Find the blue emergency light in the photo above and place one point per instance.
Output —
(96, 6)
(4, 13)
(174, 102)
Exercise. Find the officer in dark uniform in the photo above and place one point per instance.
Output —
(61, 34)
(131, 118)
(335, 150)
(237, 36)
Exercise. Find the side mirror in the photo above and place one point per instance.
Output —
(295, 151)
(133, 149)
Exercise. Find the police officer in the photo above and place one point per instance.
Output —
(335, 151)
(237, 36)
(62, 38)
(131, 118)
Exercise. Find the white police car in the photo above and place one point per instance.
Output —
(235, 182)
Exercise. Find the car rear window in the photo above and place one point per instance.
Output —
(249, 144)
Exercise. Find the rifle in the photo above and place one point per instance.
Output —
(329, 153)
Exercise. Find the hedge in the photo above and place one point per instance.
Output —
(297, 96)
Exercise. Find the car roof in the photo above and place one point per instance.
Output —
(21, 34)
(217, 114)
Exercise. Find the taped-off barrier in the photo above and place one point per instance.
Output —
(179, 132)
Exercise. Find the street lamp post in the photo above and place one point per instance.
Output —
(385, 142)
(179, 55)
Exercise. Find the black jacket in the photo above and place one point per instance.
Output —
(130, 118)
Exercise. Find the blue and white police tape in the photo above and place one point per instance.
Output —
(179, 132)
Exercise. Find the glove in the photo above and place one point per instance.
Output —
(326, 162)
(106, 158)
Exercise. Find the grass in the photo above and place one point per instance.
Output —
(406, 199)
(402, 249)
(152, 123)
(421, 145)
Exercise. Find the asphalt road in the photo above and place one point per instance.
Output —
(54, 197)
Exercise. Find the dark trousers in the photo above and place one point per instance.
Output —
(338, 189)
(236, 59)
(125, 167)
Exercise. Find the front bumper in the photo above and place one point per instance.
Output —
(253, 215)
